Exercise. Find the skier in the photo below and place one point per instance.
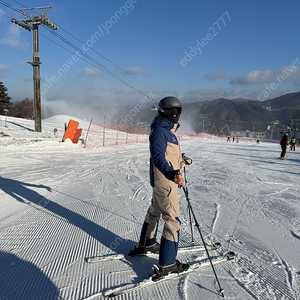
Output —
(165, 159)
(293, 143)
(284, 143)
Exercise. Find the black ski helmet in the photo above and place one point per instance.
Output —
(169, 102)
(170, 109)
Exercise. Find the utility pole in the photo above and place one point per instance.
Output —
(35, 19)
(36, 79)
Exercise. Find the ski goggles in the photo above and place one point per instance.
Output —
(171, 111)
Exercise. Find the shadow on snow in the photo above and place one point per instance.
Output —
(20, 279)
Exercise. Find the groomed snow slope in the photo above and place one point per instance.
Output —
(61, 203)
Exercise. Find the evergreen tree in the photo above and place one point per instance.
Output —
(4, 98)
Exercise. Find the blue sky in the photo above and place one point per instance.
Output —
(195, 50)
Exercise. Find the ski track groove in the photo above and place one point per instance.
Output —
(45, 225)
(227, 177)
(183, 287)
(245, 204)
(242, 285)
(289, 276)
(137, 192)
(27, 230)
(215, 219)
(260, 281)
(43, 253)
(295, 235)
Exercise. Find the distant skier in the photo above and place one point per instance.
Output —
(293, 143)
(284, 142)
(228, 139)
(164, 166)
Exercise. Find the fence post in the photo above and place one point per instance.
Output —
(137, 133)
(85, 142)
(117, 133)
(104, 132)
(127, 131)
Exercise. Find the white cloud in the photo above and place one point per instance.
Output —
(135, 70)
(88, 86)
(255, 76)
(90, 72)
(3, 70)
(13, 37)
(4, 67)
(218, 74)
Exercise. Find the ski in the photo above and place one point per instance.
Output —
(149, 282)
(100, 259)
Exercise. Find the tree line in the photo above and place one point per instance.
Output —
(20, 109)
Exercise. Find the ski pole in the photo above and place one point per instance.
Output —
(198, 226)
(190, 216)
(187, 161)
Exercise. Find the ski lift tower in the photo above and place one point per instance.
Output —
(295, 123)
(35, 16)
(202, 117)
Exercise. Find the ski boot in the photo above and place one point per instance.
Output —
(161, 272)
(144, 250)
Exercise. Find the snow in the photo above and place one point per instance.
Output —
(61, 203)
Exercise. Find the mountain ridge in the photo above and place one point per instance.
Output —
(211, 115)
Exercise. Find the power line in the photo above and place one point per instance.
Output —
(5, 15)
(99, 66)
(86, 60)
(19, 3)
(111, 62)
(95, 62)
(10, 6)
(92, 61)
(103, 57)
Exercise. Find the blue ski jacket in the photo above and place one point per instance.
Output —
(164, 150)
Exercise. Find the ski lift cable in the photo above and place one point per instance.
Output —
(10, 7)
(5, 15)
(126, 72)
(100, 66)
(89, 60)
(111, 62)
(91, 63)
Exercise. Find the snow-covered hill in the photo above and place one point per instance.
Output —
(61, 203)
